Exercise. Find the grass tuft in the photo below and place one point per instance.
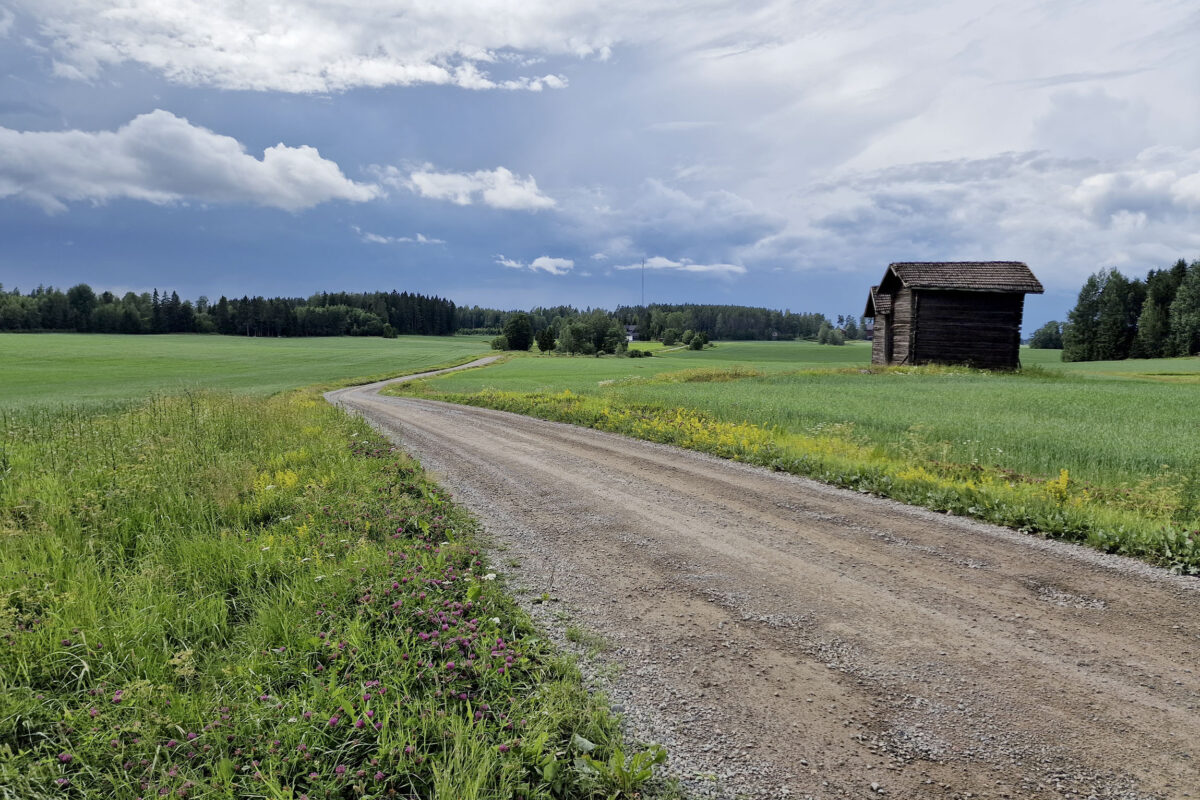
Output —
(210, 595)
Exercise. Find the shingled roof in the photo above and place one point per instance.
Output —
(878, 303)
(970, 276)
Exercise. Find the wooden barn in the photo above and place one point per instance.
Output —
(950, 312)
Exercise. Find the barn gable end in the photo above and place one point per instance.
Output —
(951, 312)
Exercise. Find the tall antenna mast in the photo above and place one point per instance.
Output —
(643, 282)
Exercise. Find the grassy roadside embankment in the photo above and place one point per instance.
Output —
(1106, 455)
(218, 595)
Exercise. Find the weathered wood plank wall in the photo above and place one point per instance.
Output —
(979, 328)
(882, 322)
(902, 327)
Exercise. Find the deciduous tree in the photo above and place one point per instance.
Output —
(1047, 337)
(518, 330)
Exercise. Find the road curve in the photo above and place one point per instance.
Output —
(788, 638)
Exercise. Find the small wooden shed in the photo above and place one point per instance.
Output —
(950, 312)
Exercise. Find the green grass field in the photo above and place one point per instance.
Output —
(86, 368)
(220, 594)
(1106, 452)
(1089, 418)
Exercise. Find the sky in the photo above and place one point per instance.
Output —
(516, 153)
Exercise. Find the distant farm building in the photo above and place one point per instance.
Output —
(950, 312)
(631, 333)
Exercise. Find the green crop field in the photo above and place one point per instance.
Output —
(1105, 452)
(85, 368)
(584, 373)
(1078, 417)
(214, 594)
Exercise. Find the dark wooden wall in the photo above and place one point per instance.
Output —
(982, 329)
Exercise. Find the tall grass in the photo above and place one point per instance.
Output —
(212, 595)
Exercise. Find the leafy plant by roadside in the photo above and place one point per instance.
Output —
(619, 777)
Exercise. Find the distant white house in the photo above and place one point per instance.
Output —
(631, 333)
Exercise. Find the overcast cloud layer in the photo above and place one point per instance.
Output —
(771, 153)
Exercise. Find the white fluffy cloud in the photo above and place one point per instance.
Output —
(161, 158)
(328, 45)
(375, 238)
(1159, 183)
(498, 188)
(686, 265)
(554, 266)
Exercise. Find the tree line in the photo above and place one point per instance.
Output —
(81, 309)
(727, 322)
(564, 329)
(1116, 317)
(656, 320)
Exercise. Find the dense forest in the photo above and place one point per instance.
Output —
(653, 321)
(81, 309)
(1117, 317)
(327, 314)
(720, 321)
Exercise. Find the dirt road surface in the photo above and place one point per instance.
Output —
(784, 638)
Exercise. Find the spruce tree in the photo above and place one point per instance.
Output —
(1153, 338)
(1120, 301)
(1185, 314)
(1079, 334)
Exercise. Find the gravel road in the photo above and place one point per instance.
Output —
(785, 638)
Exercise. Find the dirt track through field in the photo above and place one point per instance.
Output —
(787, 638)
